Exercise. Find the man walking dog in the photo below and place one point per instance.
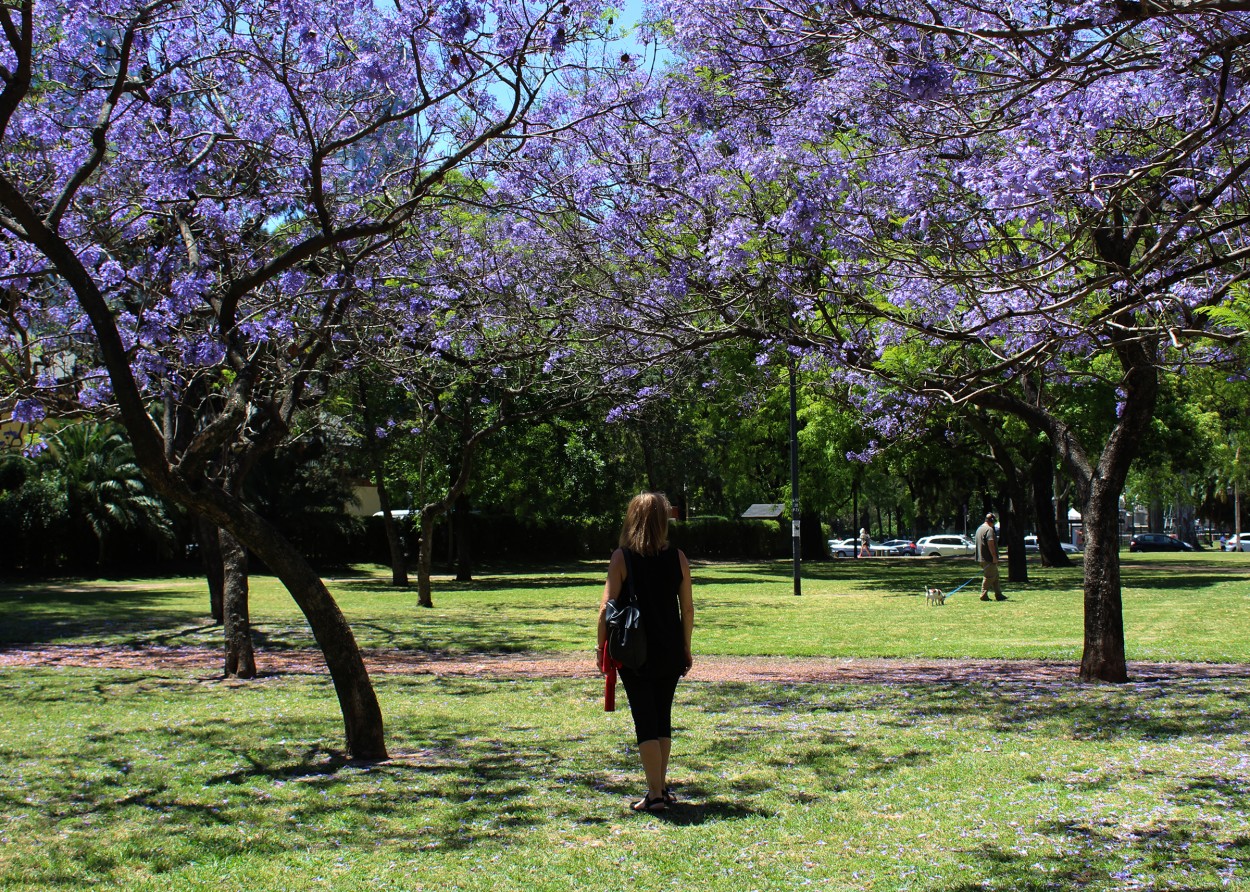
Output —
(987, 557)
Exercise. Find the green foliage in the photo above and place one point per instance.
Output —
(80, 504)
(34, 517)
(560, 471)
(303, 488)
(1234, 314)
(711, 538)
(104, 488)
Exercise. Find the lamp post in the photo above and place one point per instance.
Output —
(796, 538)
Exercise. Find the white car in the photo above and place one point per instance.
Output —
(1030, 546)
(1235, 544)
(841, 548)
(949, 545)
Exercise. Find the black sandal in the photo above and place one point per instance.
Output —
(670, 798)
(648, 804)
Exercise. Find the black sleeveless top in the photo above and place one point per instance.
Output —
(657, 580)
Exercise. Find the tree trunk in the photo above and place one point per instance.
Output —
(1013, 500)
(1042, 484)
(362, 716)
(1183, 524)
(425, 558)
(208, 537)
(855, 510)
(1157, 522)
(399, 563)
(1103, 658)
(240, 654)
(812, 537)
(1011, 537)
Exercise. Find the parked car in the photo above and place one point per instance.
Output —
(901, 546)
(1030, 546)
(946, 546)
(1235, 544)
(1157, 542)
(841, 548)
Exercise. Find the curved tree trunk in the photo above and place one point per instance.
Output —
(362, 716)
(192, 488)
(240, 653)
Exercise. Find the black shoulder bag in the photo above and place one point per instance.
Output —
(627, 639)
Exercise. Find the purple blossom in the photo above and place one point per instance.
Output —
(29, 411)
(928, 82)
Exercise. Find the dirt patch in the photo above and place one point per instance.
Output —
(533, 665)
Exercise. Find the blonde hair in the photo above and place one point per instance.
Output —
(645, 530)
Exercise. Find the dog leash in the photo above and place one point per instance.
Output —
(965, 585)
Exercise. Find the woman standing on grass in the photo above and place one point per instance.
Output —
(661, 581)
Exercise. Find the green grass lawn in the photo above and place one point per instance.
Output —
(170, 781)
(147, 781)
(1187, 607)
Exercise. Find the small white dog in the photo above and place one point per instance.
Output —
(934, 597)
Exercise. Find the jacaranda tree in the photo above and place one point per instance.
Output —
(990, 205)
(984, 204)
(195, 196)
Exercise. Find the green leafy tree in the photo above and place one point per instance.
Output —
(105, 491)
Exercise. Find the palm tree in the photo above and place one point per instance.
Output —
(103, 485)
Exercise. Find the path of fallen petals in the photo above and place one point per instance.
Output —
(534, 665)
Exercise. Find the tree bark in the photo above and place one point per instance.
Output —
(1103, 658)
(399, 563)
(362, 716)
(1011, 534)
(208, 537)
(1012, 500)
(425, 558)
(432, 511)
(240, 653)
(1099, 486)
(812, 536)
(1042, 484)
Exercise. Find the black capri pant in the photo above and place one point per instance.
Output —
(650, 703)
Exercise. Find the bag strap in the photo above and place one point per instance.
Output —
(629, 581)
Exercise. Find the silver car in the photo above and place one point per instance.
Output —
(841, 548)
(948, 545)
(1030, 546)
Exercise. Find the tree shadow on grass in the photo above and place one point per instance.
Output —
(1148, 578)
(1151, 711)
(69, 610)
(462, 779)
(511, 578)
